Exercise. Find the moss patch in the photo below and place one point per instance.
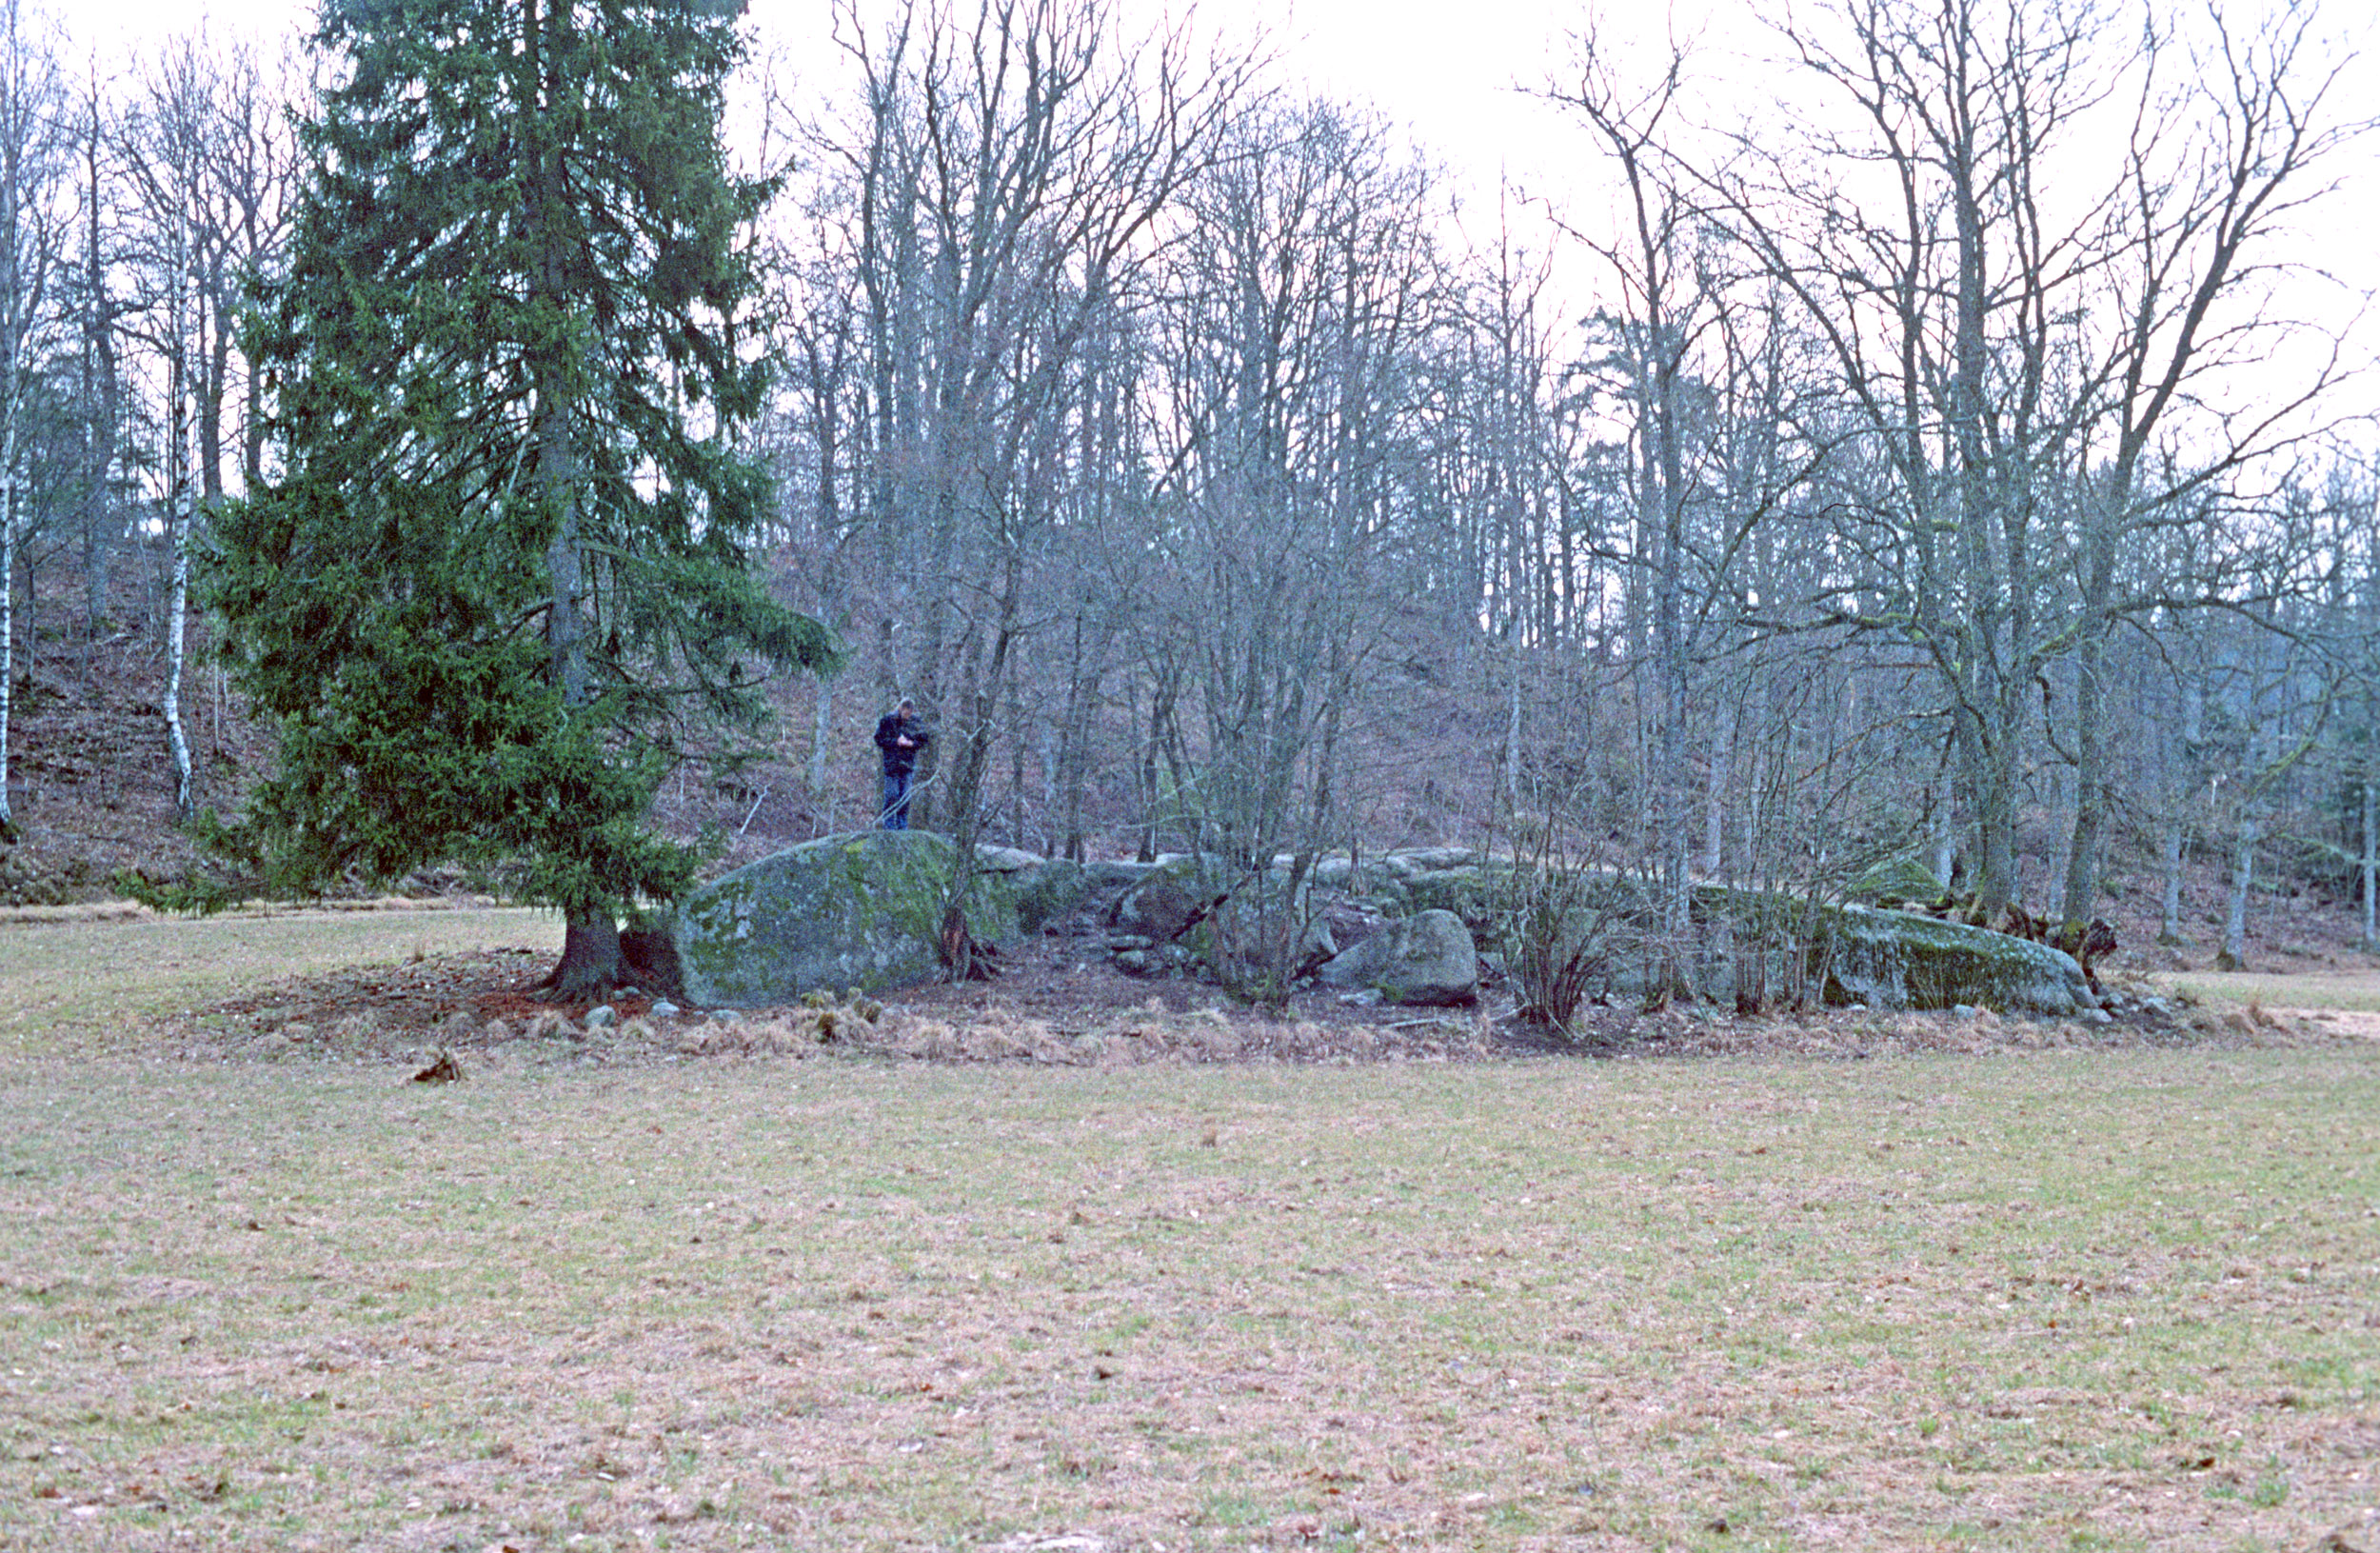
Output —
(862, 910)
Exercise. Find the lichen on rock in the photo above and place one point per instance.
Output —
(1427, 959)
(861, 909)
(1898, 960)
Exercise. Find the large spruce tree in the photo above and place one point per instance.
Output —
(497, 582)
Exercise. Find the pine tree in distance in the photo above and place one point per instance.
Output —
(497, 582)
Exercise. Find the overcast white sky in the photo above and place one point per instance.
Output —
(1441, 70)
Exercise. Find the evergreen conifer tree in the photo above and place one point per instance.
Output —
(497, 581)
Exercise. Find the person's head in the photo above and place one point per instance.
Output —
(905, 708)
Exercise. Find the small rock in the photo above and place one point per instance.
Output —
(1367, 998)
(665, 1010)
(1133, 961)
(2097, 1016)
(1962, 1010)
(601, 1017)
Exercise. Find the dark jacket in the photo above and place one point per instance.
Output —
(890, 730)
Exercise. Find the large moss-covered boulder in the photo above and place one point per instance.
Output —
(857, 910)
(1897, 960)
(1426, 959)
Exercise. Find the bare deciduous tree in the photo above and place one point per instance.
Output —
(33, 176)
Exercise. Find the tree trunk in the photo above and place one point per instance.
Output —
(1074, 755)
(1512, 741)
(1715, 793)
(7, 623)
(557, 450)
(2090, 784)
(591, 964)
(2170, 927)
(1677, 688)
(961, 956)
(100, 387)
(2371, 861)
(822, 730)
(1989, 764)
(1016, 763)
(939, 610)
(178, 595)
(1162, 697)
(177, 616)
(2234, 954)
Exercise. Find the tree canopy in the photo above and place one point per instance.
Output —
(496, 581)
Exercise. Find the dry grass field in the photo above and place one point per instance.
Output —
(2057, 1300)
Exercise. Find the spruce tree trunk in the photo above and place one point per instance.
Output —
(590, 965)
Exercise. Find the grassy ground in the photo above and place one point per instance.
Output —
(2124, 1299)
(74, 982)
(2357, 990)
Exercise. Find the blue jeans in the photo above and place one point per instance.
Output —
(895, 814)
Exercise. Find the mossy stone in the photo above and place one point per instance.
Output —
(862, 910)
(1902, 878)
(1894, 960)
(1050, 892)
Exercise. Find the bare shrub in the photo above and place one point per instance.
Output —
(1567, 926)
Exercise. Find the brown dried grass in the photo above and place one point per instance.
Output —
(1163, 1275)
(2105, 1299)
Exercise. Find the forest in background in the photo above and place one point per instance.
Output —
(1957, 472)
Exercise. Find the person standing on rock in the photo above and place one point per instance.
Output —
(899, 735)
